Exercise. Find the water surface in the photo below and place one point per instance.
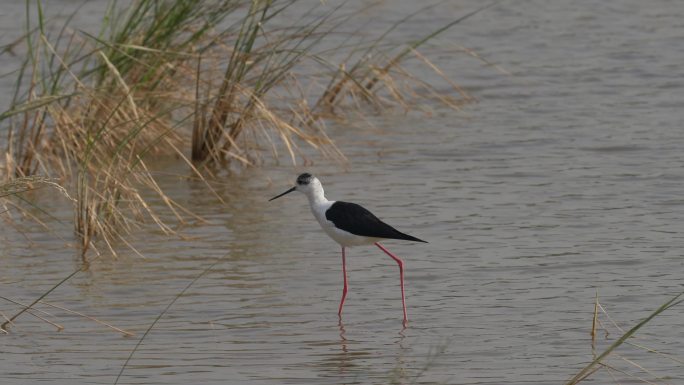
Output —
(566, 178)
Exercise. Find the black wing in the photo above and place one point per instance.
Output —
(355, 219)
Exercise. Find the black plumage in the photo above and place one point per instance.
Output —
(355, 219)
(304, 178)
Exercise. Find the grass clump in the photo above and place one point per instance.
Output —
(220, 83)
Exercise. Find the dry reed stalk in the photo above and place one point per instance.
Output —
(93, 110)
(124, 332)
(600, 361)
(594, 322)
(33, 311)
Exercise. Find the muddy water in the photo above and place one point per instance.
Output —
(566, 178)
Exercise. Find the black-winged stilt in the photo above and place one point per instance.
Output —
(349, 225)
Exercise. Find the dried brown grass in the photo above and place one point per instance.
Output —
(165, 78)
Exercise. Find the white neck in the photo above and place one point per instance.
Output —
(316, 194)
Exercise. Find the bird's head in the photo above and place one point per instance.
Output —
(306, 183)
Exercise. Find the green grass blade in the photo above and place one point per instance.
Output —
(581, 375)
(399, 57)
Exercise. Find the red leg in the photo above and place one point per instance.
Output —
(401, 277)
(344, 290)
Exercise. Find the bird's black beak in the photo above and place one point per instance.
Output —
(286, 192)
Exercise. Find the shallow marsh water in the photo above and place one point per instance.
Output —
(566, 178)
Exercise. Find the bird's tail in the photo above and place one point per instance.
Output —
(407, 237)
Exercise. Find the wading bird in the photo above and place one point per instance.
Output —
(349, 225)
